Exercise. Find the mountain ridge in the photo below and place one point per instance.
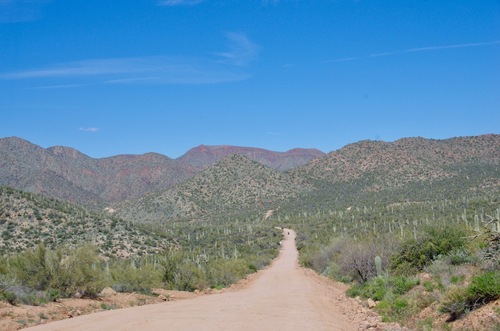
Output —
(203, 156)
(68, 174)
(414, 167)
(234, 183)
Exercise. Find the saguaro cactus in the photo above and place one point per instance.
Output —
(378, 265)
(476, 223)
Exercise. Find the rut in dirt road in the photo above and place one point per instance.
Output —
(282, 297)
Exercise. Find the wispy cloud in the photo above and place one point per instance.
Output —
(241, 50)
(345, 59)
(89, 129)
(196, 2)
(12, 11)
(419, 49)
(224, 67)
(50, 87)
(180, 2)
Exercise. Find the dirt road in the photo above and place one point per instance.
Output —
(282, 297)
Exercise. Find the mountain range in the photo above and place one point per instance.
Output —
(218, 180)
(67, 174)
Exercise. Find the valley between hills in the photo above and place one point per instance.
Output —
(412, 226)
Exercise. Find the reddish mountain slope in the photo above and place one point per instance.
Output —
(204, 156)
(67, 174)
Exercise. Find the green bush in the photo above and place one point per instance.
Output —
(414, 254)
(429, 286)
(65, 273)
(378, 288)
(8, 296)
(127, 277)
(485, 287)
(226, 272)
(402, 284)
(459, 257)
(455, 303)
(482, 289)
(393, 309)
(15, 294)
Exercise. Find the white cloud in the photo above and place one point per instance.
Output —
(49, 87)
(225, 67)
(419, 49)
(92, 67)
(241, 50)
(180, 2)
(90, 129)
(149, 69)
(435, 48)
(345, 59)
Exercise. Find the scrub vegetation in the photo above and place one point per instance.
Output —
(413, 225)
(440, 255)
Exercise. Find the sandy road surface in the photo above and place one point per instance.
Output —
(282, 297)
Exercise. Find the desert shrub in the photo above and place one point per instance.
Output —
(126, 276)
(74, 271)
(429, 286)
(377, 289)
(226, 272)
(380, 287)
(455, 302)
(357, 258)
(347, 259)
(415, 254)
(8, 296)
(180, 273)
(489, 255)
(445, 273)
(482, 289)
(16, 294)
(358, 261)
(4, 269)
(188, 277)
(394, 309)
(321, 260)
(459, 257)
(402, 284)
(307, 255)
(485, 287)
(31, 268)
(80, 271)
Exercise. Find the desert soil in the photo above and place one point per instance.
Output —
(281, 297)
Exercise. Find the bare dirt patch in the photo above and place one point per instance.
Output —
(21, 316)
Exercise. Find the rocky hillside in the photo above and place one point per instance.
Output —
(410, 168)
(409, 160)
(67, 174)
(27, 219)
(204, 156)
(235, 184)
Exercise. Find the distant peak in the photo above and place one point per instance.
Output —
(66, 152)
(309, 151)
(17, 142)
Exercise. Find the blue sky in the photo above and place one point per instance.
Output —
(134, 76)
